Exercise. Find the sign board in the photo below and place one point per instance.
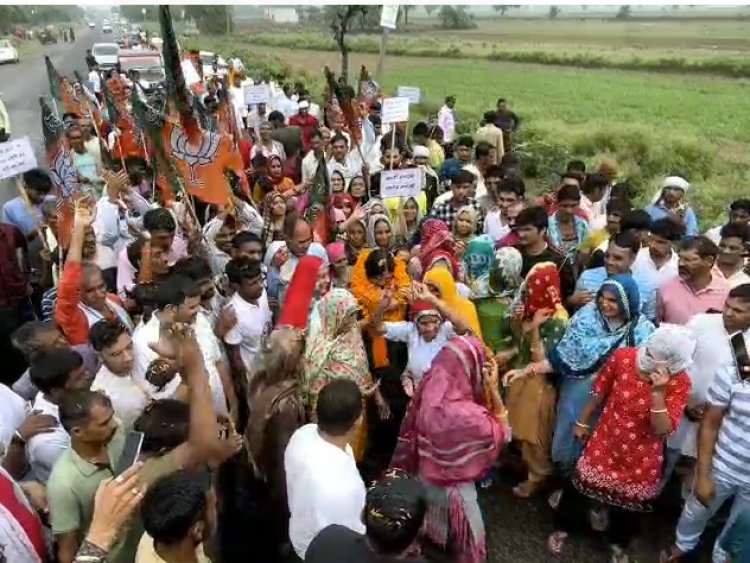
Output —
(401, 183)
(394, 110)
(190, 73)
(389, 16)
(16, 157)
(413, 93)
(256, 94)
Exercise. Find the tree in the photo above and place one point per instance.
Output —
(340, 20)
(452, 17)
(554, 11)
(623, 13)
(135, 13)
(430, 9)
(503, 8)
(403, 13)
(210, 20)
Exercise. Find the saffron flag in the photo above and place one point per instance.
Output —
(63, 173)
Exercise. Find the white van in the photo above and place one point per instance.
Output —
(106, 54)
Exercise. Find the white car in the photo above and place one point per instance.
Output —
(92, 25)
(106, 28)
(8, 53)
(106, 54)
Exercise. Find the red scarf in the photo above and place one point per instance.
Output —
(25, 518)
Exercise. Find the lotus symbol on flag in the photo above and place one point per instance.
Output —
(198, 154)
(52, 123)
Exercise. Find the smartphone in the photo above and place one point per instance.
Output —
(130, 453)
(741, 357)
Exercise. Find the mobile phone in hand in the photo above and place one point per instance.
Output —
(130, 453)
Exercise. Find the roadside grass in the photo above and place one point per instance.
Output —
(650, 124)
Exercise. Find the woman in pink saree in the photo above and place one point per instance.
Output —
(450, 437)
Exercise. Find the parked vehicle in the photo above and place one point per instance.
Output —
(92, 25)
(8, 53)
(106, 28)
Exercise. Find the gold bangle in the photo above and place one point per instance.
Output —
(582, 425)
(659, 411)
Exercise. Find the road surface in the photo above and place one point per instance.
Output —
(23, 83)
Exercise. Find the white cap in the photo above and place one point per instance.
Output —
(676, 182)
(420, 151)
(303, 105)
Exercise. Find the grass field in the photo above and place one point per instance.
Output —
(652, 124)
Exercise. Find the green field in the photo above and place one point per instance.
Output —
(652, 124)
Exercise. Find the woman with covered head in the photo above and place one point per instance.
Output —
(643, 391)
(336, 351)
(408, 217)
(441, 283)
(611, 321)
(449, 439)
(379, 232)
(274, 181)
(437, 246)
(532, 400)
(274, 214)
(275, 396)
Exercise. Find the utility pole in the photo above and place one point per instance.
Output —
(388, 21)
(229, 19)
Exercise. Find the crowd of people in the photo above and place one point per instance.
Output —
(340, 393)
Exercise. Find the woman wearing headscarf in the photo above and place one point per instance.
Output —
(276, 256)
(358, 190)
(274, 181)
(440, 281)
(479, 259)
(406, 224)
(275, 398)
(449, 439)
(382, 287)
(503, 281)
(337, 351)
(436, 246)
(340, 270)
(611, 321)
(274, 213)
(643, 391)
(338, 182)
(465, 226)
(670, 201)
(532, 400)
(356, 240)
(379, 232)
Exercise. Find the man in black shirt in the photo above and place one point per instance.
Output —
(394, 511)
(90, 59)
(531, 227)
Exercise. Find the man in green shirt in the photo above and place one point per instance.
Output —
(97, 443)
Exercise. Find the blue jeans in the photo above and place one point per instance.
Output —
(695, 516)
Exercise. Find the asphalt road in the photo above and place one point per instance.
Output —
(22, 84)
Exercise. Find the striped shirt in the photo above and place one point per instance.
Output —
(732, 456)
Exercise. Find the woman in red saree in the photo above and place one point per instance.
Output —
(450, 437)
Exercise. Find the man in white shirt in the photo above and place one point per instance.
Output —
(53, 372)
(345, 161)
(95, 79)
(284, 102)
(447, 121)
(254, 320)
(177, 299)
(659, 258)
(320, 138)
(733, 246)
(237, 95)
(323, 484)
(114, 378)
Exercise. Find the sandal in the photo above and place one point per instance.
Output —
(556, 541)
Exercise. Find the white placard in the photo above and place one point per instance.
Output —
(412, 92)
(188, 71)
(256, 94)
(16, 157)
(394, 110)
(401, 183)
(389, 16)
